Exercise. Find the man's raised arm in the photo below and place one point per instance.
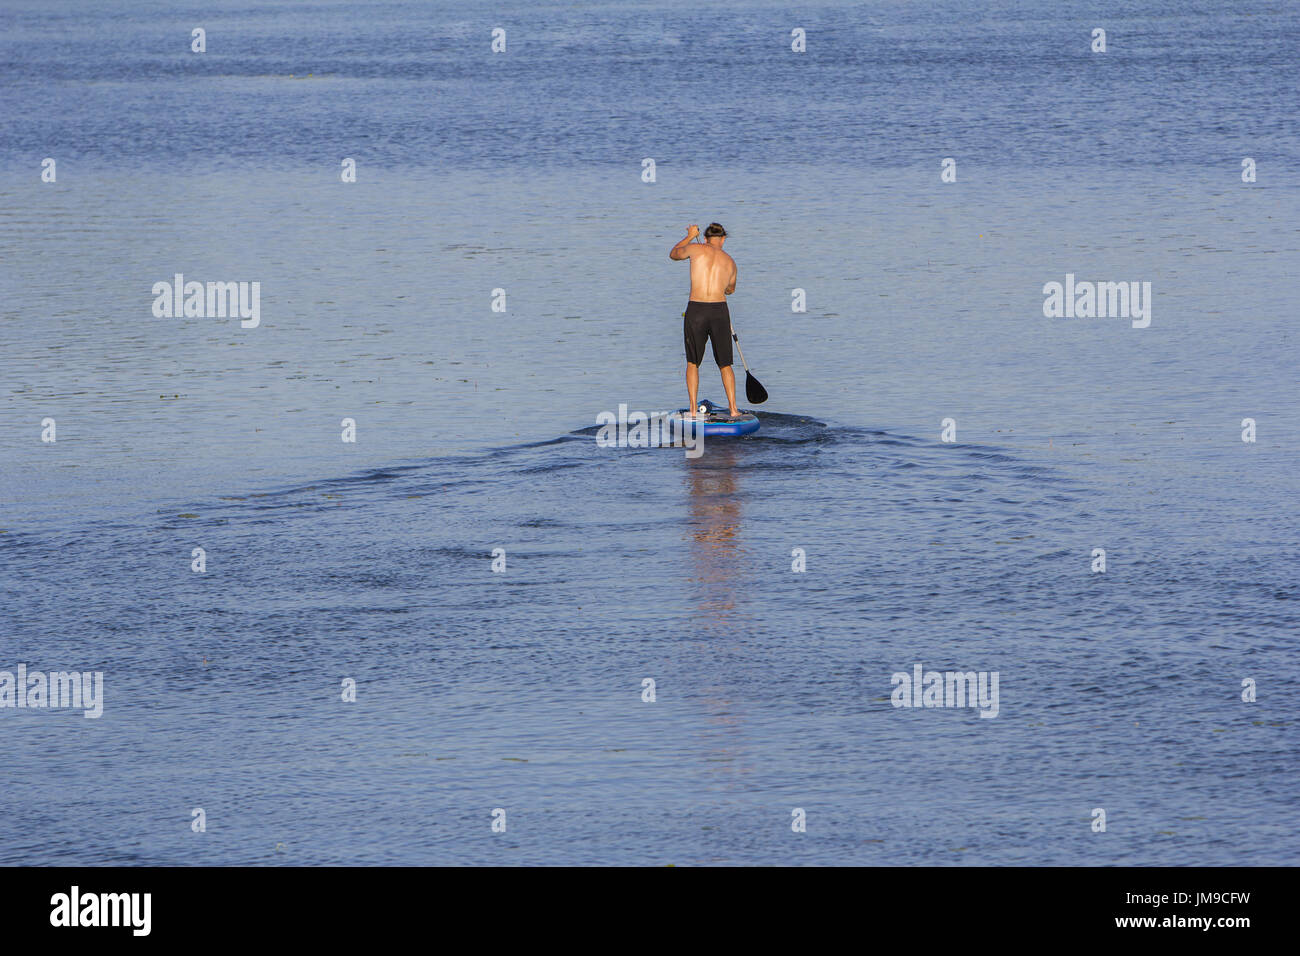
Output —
(682, 249)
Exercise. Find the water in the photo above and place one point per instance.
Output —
(522, 690)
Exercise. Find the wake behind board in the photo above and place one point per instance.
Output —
(717, 424)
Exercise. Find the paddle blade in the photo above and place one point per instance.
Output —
(754, 391)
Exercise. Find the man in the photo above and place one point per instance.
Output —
(713, 278)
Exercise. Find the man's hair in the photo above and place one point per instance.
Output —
(715, 229)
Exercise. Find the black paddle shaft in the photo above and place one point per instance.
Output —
(754, 391)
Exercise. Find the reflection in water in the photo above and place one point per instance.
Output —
(715, 553)
(715, 526)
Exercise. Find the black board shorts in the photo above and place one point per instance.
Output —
(705, 321)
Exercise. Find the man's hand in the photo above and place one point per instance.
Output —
(692, 232)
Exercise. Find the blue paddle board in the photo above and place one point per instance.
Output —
(718, 424)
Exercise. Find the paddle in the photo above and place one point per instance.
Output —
(754, 390)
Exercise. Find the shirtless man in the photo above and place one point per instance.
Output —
(713, 278)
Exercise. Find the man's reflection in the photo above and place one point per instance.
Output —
(715, 527)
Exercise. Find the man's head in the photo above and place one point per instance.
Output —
(715, 232)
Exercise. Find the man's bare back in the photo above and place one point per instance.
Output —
(713, 272)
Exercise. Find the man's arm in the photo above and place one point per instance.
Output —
(731, 286)
(683, 249)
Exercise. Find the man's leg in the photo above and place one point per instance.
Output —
(720, 335)
(692, 386)
(729, 383)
